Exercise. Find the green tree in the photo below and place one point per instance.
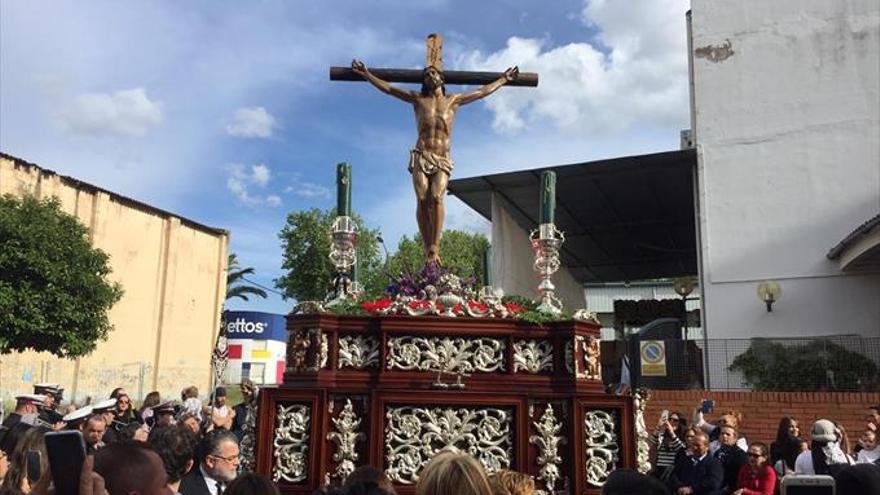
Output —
(818, 364)
(305, 241)
(54, 287)
(461, 252)
(236, 285)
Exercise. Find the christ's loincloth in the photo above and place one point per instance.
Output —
(429, 163)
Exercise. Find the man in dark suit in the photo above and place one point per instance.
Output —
(218, 461)
(732, 457)
(699, 473)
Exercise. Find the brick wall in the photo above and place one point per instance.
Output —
(762, 410)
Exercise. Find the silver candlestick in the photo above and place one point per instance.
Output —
(546, 241)
(343, 241)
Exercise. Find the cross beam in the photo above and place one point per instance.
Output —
(529, 79)
(434, 58)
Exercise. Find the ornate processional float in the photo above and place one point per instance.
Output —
(442, 363)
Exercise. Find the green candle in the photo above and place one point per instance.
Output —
(343, 189)
(487, 266)
(548, 196)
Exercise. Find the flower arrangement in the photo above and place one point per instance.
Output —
(437, 291)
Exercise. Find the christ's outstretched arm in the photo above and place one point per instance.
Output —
(509, 75)
(360, 69)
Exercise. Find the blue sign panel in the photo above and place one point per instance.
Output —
(255, 325)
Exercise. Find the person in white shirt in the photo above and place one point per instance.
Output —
(824, 451)
(729, 418)
(870, 450)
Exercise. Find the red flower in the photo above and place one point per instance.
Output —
(514, 308)
(478, 306)
(376, 306)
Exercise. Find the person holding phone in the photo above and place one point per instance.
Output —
(669, 436)
(32, 446)
(729, 418)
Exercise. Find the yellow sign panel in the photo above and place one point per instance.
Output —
(653, 353)
(260, 354)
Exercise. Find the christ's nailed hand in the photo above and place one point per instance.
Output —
(511, 74)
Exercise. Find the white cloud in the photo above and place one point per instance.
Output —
(634, 73)
(127, 112)
(260, 174)
(252, 123)
(241, 181)
(308, 190)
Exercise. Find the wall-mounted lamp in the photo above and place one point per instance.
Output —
(769, 291)
(684, 286)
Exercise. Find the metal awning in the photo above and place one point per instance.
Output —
(624, 219)
(860, 250)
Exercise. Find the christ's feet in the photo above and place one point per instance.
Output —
(433, 256)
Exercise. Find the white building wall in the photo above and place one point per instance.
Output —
(787, 127)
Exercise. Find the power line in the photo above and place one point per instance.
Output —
(263, 287)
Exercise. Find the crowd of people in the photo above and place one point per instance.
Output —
(714, 458)
(190, 448)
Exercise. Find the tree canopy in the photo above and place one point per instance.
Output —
(54, 287)
(461, 252)
(305, 241)
(306, 248)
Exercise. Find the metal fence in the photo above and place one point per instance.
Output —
(832, 363)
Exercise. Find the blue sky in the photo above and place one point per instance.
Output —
(223, 112)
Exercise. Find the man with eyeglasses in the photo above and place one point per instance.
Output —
(218, 456)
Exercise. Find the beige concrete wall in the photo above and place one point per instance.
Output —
(173, 272)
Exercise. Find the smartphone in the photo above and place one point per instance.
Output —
(67, 452)
(707, 406)
(34, 465)
(664, 415)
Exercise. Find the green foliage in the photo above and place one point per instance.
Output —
(305, 240)
(236, 286)
(54, 287)
(348, 308)
(531, 313)
(461, 252)
(817, 365)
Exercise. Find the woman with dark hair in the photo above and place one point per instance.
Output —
(788, 428)
(670, 440)
(152, 399)
(756, 477)
(790, 451)
(16, 480)
(125, 413)
(251, 484)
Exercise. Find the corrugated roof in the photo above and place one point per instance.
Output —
(78, 184)
(625, 219)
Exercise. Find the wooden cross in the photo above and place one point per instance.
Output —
(434, 57)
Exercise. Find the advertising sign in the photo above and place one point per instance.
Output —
(255, 325)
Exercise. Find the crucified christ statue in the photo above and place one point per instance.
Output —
(430, 162)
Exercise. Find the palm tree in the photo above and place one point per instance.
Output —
(236, 285)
